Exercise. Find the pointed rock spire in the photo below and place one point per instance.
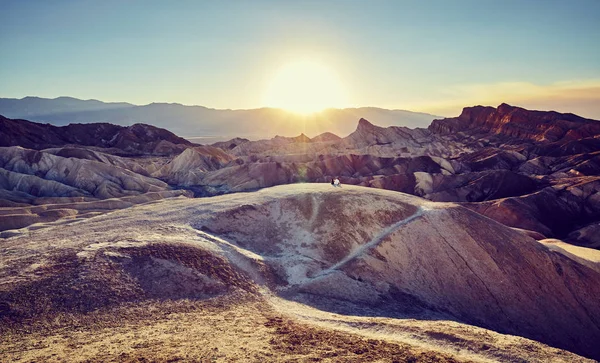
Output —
(364, 124)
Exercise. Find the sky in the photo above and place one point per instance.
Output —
(433, 56)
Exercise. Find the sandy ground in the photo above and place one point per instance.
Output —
(461, 341)
(249, 328)
(219, 330)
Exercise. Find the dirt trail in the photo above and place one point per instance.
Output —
(372, 243)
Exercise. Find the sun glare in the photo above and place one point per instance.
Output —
(305, 87)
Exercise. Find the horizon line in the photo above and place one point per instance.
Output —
(227, 109)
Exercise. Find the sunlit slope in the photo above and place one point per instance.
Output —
(316, 244)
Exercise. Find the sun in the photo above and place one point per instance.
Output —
(305, 87)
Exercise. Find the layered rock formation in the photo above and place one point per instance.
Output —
(82, 172)
(231, 144)
(559, 151)
(518, 123)
(37, 186)
(528, 169)
(91, 178)
(189, 166)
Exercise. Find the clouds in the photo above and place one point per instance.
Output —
(581, 97)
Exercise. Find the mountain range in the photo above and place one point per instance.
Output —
(199, 123)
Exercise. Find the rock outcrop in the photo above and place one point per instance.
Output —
(559, 152)
(93, 178)
(554, 211)
(518, 123)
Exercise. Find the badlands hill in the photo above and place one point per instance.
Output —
(135, 139)
(306, 272)
(533, 170)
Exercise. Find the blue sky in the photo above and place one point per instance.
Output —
(434, 56)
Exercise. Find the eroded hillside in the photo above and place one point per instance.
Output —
(532, 170)
(326, 258)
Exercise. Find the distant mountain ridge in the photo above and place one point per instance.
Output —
(36, 106)
(190, 121)
(138, 138)
(519, 123)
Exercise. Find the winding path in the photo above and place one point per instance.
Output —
(372, 243)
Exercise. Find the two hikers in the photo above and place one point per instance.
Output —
(336, 182)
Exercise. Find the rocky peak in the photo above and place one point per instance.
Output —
(301, 138)
(472, 114)
(325, 137)
(364, 124)
(505, 108)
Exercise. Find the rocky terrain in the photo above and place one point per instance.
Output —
(305, 271)
(558, 152)
(532, 170)
(497, 244)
